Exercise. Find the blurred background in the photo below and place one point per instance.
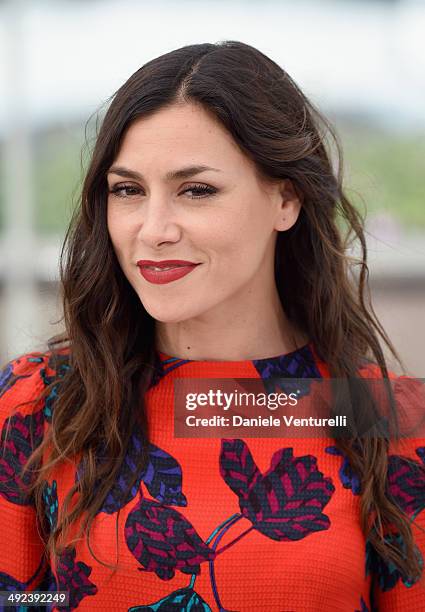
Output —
(361, 62)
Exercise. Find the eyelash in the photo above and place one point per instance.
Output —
(205, 189)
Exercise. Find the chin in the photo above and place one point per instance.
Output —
(168, 314)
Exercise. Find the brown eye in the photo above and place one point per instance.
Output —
(125, 191)
(201, 191)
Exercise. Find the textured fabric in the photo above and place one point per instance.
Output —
(226, 524)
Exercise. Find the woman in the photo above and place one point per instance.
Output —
(209, 244)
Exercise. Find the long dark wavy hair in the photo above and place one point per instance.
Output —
(323, 289)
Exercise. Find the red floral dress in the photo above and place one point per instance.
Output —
(227, 524)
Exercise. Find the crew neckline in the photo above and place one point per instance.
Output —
(302, 349)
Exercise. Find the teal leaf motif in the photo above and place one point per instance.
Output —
(51, 505)
(183, 600)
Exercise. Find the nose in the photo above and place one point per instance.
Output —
(159, 223)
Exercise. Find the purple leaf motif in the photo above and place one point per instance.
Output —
(162, 477)
(177, 601)
(164, 366)
(286, 502)
(297, 365)
(406, 483)
(163, 541)
(74, 577)
(9, 583)
(5, 376)
(24, 435)
(421, 453)
(348, 477)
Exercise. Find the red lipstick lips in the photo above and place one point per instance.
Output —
(165, 271)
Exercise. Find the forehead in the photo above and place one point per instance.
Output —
(184, 130)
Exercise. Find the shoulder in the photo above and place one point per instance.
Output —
(21, 381)
(24, 379)
(404, 407)
(27, 392)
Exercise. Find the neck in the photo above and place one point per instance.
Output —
(256, 331)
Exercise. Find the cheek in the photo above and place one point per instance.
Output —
(235, 255)
(243, 237)
(112, 224)
(119, 231)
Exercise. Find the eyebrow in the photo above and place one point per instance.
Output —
(182, 173)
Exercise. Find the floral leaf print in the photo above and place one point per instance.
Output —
(182, 600)
(406, 484)
(60, 365)
(164, 366)
(74, 577)
(348, 477)
(50, 499)
(386, 572)
(163, 541)
(162, 476)
(286, 502)
(421, 453)
(49, 581)
(363, 606)
(25, 434)
(119, 495)
(238, 467)
(299, 364)
(6, 375)
(9, 583)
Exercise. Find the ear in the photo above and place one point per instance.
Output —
(289, 206)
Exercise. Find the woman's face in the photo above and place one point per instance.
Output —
(222, 217)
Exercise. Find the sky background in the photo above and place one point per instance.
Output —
(354, 56)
